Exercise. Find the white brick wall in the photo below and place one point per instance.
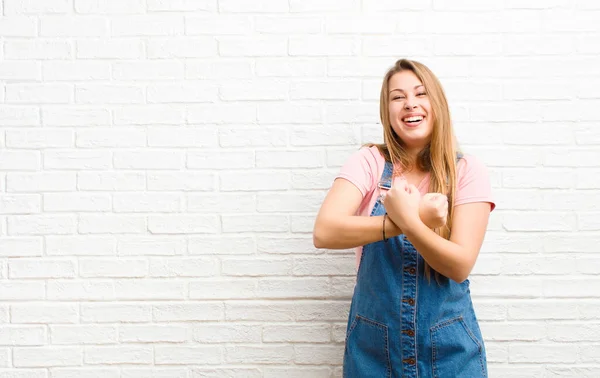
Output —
(162, 161)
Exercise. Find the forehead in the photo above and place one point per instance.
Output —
(405, 80)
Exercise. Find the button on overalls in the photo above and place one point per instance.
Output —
(403, 325)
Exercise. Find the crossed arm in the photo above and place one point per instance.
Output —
(336, 227)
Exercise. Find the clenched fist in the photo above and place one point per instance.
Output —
(433, 210)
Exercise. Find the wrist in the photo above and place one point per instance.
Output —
(413, 226)
(391, 229)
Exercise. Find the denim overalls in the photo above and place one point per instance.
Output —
(401, 324)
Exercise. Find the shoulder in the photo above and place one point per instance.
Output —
(363, 168)
(473, 181)
(471, 166)
(368, 157)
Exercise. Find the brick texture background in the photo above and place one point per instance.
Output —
(162, 162)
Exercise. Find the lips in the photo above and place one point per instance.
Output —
(413, 120)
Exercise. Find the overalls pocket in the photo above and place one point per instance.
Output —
(366, 353)
(456, 351)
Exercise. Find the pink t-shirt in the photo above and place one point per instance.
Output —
(365, 167)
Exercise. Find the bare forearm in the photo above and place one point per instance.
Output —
(444, 256)
(352, 231)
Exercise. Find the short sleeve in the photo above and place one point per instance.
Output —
(360, 169)
(473, 182)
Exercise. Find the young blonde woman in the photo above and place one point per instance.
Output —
(416, 209)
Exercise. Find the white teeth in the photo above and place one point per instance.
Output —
(413, 119)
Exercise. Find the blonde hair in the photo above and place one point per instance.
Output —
(439, 156)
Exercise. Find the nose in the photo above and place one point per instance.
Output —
(409, 104)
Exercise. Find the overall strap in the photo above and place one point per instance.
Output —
(385, 182)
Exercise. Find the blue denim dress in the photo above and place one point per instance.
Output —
(401, 324)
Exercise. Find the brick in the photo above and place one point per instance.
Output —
(19, 291)
(102, 138)
(80, 246)
(183, 224)
(22, 70)
(297, 372)
(182, 47)
(259, 354)
(221, 69)
(221, 113)
(80, 27)
(290, 159)
(154, 372)
(21, 335)
(19, 116)
(33, 268)
(148, 70)
(74, 70)
(20, 247)
(260, 6)
(63, 290)
(287, 25)
(112, 312)
(20, 204)
(148, 159)
(279, 112)
(121, 268)
(185, 355)
(95, 355)
(111, 181)
(183, 267)
(109, 94)
(77, 334)
(230, 333)
(153, 334)
(18, 26)
(220, 160)
(255, 223)
(76, 202)
(263, 89)
(222, 246)
(74, 116)
(21, 313)
(224, 24)
(146, 203)
(77, 159)
(182, 5)
(47, 356)
(109, 223)
(36, 6)
(540, 353)
(151, 246)
(181, 312)
(322, 46)
(37, 49)
(41, 225)
(317, 333)
(109, 7)
(38, 138)
(146, 25)
(256, 267)
(193, 92)
(39, 94)
(291, 67)
(186, 181)
(252, 47)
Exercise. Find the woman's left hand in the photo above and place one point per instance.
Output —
(402, 204)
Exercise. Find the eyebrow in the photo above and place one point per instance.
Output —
(397, 89)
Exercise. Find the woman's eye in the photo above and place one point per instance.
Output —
(421, 94)
(397, 98)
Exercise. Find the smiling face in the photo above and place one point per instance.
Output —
(410, 111)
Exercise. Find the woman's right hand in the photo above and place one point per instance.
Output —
(433, 210)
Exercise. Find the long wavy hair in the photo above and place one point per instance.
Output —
(439, 156)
